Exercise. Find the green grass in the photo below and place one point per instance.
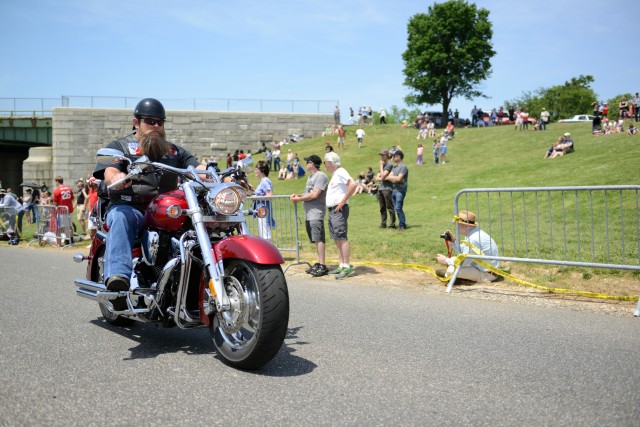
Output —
(476, 158)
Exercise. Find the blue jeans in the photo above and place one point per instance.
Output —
(125, 223)
(398, 201)
(34, 212)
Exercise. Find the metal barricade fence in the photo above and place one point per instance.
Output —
(581, 226)
(8, 219)
(55, 225)
(284, 231)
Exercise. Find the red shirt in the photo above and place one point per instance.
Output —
(63, 196)
(93, 198)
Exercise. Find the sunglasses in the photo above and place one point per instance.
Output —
(152, 122)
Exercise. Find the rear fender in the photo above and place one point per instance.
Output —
(249, 248)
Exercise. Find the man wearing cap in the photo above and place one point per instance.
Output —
(314, 201)
(340, 189)
(399, 177)
(384, 191)
(477, 242)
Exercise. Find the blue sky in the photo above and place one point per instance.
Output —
(344, 50)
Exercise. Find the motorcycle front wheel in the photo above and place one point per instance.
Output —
(252, 332)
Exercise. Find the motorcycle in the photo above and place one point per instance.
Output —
(196, 265)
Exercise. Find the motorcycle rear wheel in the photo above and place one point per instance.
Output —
(252, 332)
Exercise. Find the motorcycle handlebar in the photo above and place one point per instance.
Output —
(191, 172)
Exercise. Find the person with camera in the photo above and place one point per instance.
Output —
(477, 242)
(125, 214)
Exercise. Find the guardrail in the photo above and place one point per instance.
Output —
(42, 107)
(581, 226)
(284, 231)
(55, 226)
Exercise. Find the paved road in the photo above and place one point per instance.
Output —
(355, 355)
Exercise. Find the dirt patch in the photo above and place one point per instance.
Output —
(507, 290)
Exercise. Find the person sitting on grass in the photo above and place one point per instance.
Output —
(553, 147)
(565, 147)
(476, 242)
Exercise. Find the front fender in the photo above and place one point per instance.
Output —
(250, 248)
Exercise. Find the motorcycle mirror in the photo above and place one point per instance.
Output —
(110, 155)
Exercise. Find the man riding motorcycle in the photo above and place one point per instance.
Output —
(125, 215)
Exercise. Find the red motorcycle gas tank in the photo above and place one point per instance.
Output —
(156, 214)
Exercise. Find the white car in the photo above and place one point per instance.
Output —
(578, 119)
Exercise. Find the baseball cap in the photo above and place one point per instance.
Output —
(384, 153)
(567, 134)
(317, 161)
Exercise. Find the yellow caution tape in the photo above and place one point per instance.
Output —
(460, 258)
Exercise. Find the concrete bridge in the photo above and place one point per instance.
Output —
(39, 148)
(17, 136)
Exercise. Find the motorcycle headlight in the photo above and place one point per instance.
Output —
(226, 200)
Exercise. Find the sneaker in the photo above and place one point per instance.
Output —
(441, 272)
(322, 270)
(383, 225)
(401, 228)
(346, 272)
(336, 270)
(313, 267)
(392, 226)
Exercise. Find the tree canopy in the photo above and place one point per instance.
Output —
(575, 96)
(448, 53)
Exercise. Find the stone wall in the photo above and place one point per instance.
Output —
(79, 132)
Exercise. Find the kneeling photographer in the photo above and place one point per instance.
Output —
(477, 242)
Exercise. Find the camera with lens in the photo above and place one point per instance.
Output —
(447, 236)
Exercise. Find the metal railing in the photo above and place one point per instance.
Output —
(55, 226)
(42, 107)
(581, 226)
(8, 219)
(284, 227)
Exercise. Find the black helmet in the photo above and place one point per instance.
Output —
(149, 107)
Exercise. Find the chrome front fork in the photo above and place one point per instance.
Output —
(213, 266)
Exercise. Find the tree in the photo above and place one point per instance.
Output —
(573, 97)
(448, 53)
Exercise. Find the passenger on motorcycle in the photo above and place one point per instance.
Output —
(125, 214)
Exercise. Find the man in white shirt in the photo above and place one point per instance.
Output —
(360, 135)
(340, 189)
(544, 119)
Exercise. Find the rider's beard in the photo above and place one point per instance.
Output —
(154, 144)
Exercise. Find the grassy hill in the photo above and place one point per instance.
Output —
(477, 157)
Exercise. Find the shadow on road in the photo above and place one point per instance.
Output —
(152, 342)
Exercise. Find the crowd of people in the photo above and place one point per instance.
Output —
(322, 196)
(602, 124)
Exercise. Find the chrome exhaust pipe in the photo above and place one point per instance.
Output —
(88, 285)
(87, 294)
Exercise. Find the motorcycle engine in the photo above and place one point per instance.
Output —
(150, 246)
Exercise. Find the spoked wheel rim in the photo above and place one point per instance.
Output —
(237, 330)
